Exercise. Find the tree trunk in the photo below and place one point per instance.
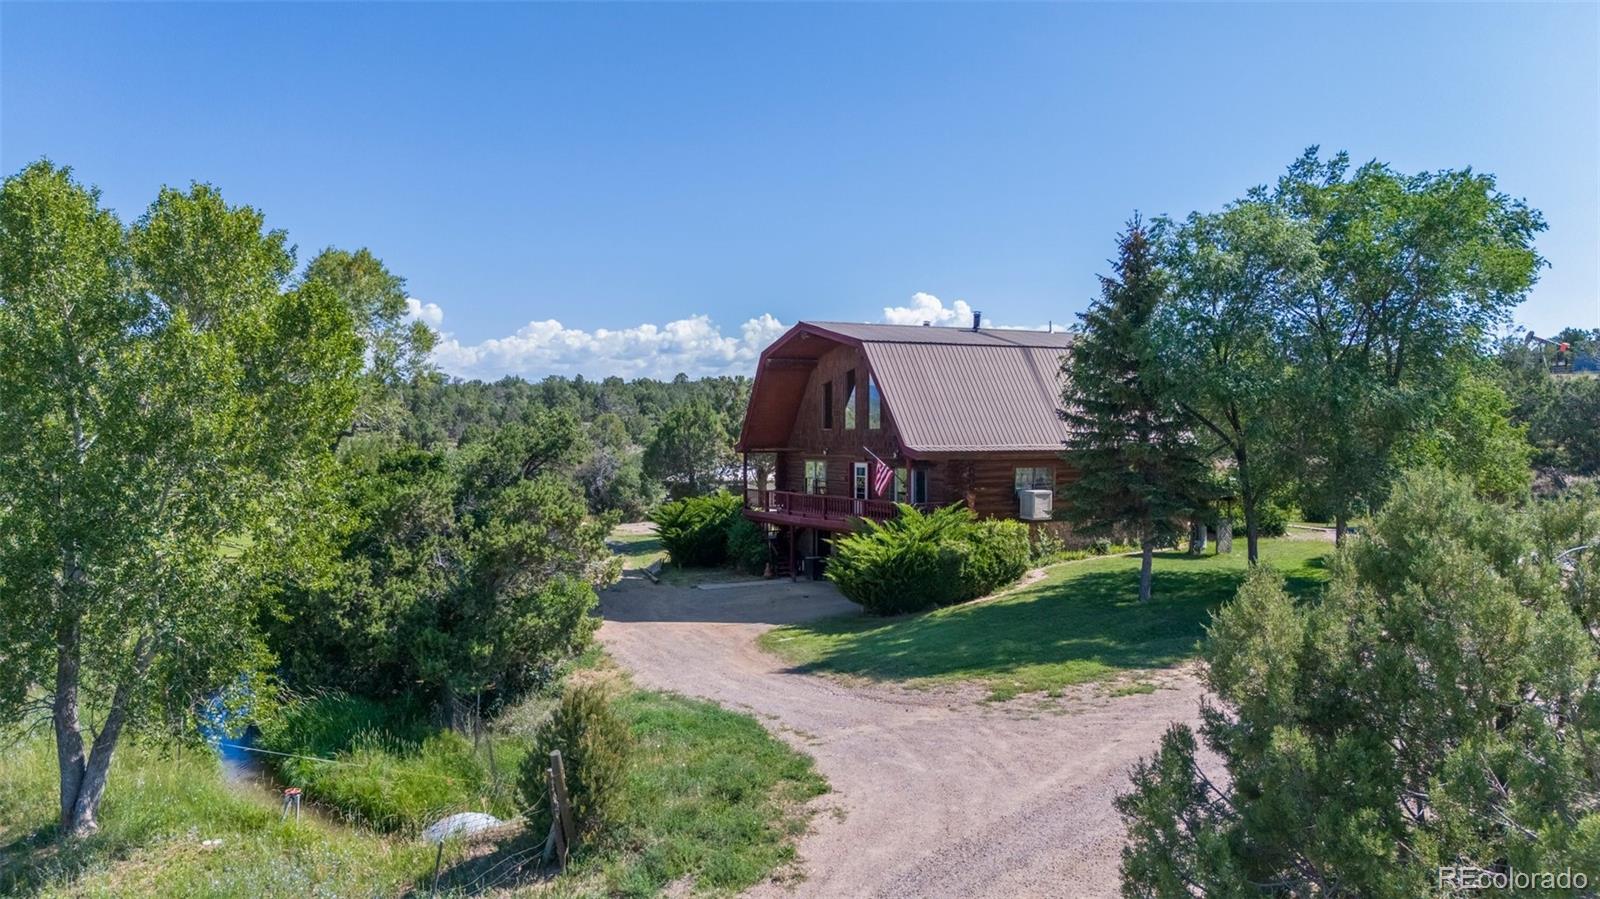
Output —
(1197, 537)
(1252, 539)
(1340, 524)
(1248, 499)
(68, 730)
(1147, 546)
(83, 781)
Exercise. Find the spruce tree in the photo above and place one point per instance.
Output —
(1139, 473)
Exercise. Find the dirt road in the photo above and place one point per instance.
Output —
(935, 793)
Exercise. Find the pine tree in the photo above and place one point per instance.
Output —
(1139, 471)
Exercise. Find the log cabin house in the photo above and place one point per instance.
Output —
(957, 414)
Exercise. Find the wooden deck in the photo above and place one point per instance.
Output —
(820, 511)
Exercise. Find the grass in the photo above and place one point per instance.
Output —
(714, 800)
(162, 805)
(395, 771)
(715, 804)
(637, 550)
(1083, 622)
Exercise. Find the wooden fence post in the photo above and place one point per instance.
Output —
(562, 808)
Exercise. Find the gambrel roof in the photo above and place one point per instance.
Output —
(949, 390)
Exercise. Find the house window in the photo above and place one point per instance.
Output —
(874, 404)
(858, 481)
(919, 486)
(827, 405)
(900, 477)
(850, 400)
(1041, 478)
(816, 476)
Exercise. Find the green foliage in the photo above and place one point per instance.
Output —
(168, 406)
(1127, 439)
(747, 546)
(167, 803)
(1139, 468)
(919, 560)
(1218, 340)
(396, 349)
(596, 749)
(1317, 329)
(1558, 411)
(1432, 708)
(452, 576)
(1472, 435)
(695, 529)
(391, 769)
(1082, 622)
(690, 449)
(1411, 273)
(714, 798)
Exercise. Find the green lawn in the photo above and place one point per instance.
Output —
(637, 550)
(171, 826)
(714, 801)
(1083, 622)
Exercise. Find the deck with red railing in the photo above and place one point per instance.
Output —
(814, 510)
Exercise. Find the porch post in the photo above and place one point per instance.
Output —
(792, 574)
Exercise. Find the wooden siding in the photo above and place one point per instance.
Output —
(985, 482)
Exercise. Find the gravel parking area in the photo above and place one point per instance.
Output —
(935, 792)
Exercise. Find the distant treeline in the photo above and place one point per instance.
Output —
(453, 412)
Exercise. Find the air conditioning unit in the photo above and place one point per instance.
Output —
(1035, 505)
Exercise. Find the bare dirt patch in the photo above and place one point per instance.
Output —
(936, 792)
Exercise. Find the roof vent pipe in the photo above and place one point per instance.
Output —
(977, 319)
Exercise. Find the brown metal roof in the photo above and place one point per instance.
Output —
(959, 398)
(947, 389)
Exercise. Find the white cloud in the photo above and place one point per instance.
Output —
(695, 346)
(925, 307)
(426, 312)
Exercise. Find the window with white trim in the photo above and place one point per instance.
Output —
(1037, 478)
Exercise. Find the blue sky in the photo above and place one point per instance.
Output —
(644, 189)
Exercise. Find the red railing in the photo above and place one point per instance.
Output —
(816, 505)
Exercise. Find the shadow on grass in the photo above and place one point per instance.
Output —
(1082, 624)
(37, 859)
(506, 865)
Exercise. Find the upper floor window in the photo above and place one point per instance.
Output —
(827, 405)
(1041, 478)
(850, 400)
(874, 404)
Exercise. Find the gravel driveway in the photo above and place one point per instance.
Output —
(935, 792)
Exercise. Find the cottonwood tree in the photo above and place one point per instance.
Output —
(397, 348)
(1139, 469)
(1436, 708)
(167, 405)
(1217, 337)
(1413, 273)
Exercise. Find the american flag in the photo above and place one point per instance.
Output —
(881, 476)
